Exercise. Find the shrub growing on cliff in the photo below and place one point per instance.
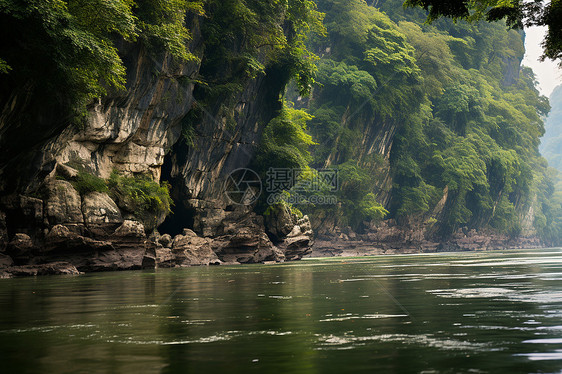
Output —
(359, 203)
(162, 24)
(371, 209)
(247, 38)
(86, 182)
(140, 194)
(285, 141)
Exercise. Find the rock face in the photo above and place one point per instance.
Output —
(241, 238)
(21, 247)
(59, 240)
(71, 233)
(98, 208)
(100, 213)
(279, 221)
(293, 235)
(190, 249)
(62, 203)
(53, 268)
(44, 219)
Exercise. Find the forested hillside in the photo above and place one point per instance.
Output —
(121, 123)
(466, 121)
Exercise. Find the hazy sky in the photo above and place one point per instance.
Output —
(548, 74)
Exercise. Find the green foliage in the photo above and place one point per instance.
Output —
(467, 120)
(552, 17)
(284, 204)
(480, 138)
(285, 142)
(337, 76)
(433, 56)
(371, 209)
(355, 182)
(162, 25)
(141, 195)
(548, 218)
(4, 67)
(74, 38)
(69, 46)
(86, 182)
(457, 106)
(416, 200)
(368, 77)
(247, 38)
(356, 196)
(516, 13)
(388, 52)
(505, 217)
(371, 56)
(284, 145)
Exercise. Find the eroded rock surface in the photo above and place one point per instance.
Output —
(291, 234)
(190, 249)
(139, 131)
(63, 203)
(52, 268)
(100, 213)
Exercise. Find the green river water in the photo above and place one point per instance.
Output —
(472, 312)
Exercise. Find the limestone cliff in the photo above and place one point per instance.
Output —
(86, 195)
(44, 220)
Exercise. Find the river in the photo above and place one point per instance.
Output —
(471, 312)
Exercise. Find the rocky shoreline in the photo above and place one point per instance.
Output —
(390, 238)
(67, 234)
(102, 240)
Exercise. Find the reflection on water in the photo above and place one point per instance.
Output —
(485, 312)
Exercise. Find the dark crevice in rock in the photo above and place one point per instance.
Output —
(183, 214)
(182, 217)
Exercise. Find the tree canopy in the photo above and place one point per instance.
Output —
(517, 13)
(467, 118)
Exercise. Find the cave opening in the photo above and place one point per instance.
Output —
(182, 215)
